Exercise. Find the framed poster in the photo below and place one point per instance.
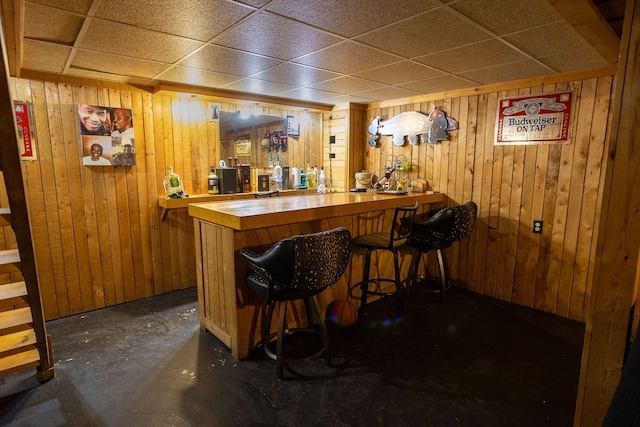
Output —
(544, 118)
(213, 111)
(293, 126)
(242, 146)
(26, 130)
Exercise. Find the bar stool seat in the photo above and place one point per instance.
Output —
(297, 268)
(392, 241)
(440, 231)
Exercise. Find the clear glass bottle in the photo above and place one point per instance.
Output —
(322, 188)
(277, 174)
(172, 184)
(212, 182)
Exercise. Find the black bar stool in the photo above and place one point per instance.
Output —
(392, 241)
(437, 233)
(297, 268)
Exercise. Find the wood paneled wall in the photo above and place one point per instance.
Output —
(98, 237)
(512, 186)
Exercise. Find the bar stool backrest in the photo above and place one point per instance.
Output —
(464, 219)
(402, 224)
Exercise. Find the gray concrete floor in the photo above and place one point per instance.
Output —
(472, 361)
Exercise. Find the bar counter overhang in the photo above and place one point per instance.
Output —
(226, 307)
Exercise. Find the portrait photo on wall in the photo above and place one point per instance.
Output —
(107, 135)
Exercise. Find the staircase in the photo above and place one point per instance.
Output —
(24, 343)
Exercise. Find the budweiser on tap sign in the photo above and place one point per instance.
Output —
(544, 118)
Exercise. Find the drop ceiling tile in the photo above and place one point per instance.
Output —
(274, 36)
(350, 17)
(116, 64)
(343, 99)
(553, 39)
(258, 86)
(229, 61)
(507, 72)
(347, 85)
(438, 84)
(194, 76)
(424, 34)
(508, 16)
(195, 19)
(574, 59)
(308, 94)
(400, 72)
(347, 58)
(112, 37)
(388, 92)
(42, 54)
(295, 74)
(90, 74)
(79, 6)
(478, 55)
(61, 26)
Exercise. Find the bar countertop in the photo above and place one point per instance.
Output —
(250, 214)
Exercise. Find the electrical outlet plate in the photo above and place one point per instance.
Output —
(537, 226)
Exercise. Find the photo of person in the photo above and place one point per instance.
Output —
(96, 151)
(122, 137)
(127, 156)
(94, 120)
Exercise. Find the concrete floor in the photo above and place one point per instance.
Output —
(472, 361)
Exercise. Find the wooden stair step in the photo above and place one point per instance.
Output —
(12, 320)
(5, 216)
(13, 294)
(16, 340)
(19, 361)
(9, 261)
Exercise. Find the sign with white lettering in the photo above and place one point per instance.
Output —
(544, 118)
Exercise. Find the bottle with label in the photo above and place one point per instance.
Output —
(303, 179)
(212, 181)
(277, 174)
(173, 184)
(239, 184)
(270, 161)
(311, 178)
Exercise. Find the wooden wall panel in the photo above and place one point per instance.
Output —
(98, 236)
(512, 186)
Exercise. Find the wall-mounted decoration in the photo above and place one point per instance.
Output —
(242, 145)
(26, 131)
(213, 112)
(544, 118)
(107, 135)
(413, 126)
(293, 126)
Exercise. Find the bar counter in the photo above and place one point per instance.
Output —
(227, 308)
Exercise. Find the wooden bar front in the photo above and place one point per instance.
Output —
(228, 309)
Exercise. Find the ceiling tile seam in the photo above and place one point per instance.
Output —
(83, 30)
(211, 41)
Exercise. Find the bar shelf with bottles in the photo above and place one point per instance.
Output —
(231, 180)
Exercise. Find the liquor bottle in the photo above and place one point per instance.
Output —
(383, 182)
(239, 185)
(172, 184)
(277, 174)
(270, 161)
(311, 178)
(212, 181)
(322, 188)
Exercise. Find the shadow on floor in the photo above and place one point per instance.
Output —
(473, 361)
